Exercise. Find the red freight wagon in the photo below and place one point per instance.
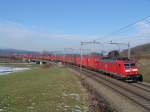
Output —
(59, 58)
(73, 59)
(93, 61)
(68, 58)
(45, 57)
(53, 57)
(78, 60)
(49, 57)
(62, 57)
(85, 60)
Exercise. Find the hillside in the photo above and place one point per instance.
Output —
(141, 49)
(15, 51)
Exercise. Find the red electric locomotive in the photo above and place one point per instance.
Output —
(120, 68)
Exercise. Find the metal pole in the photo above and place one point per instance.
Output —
(64, 57)
(129, 50)
(55, 55)
(81, 57)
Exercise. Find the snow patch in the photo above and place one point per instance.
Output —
(7, 70)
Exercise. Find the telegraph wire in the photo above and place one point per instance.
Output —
(122, 28)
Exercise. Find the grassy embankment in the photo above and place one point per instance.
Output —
(144, 65)
(52, 89)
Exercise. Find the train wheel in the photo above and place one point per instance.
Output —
(141, 78)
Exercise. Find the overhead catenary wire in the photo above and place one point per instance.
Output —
(122, 28)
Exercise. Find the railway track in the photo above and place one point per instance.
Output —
(136, 92)
(142, 86)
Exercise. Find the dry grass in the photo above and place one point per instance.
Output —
(52, 89)
(144, 65)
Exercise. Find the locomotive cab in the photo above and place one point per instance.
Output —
(132, 72)
(131, 69)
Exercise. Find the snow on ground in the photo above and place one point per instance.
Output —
(6, 70)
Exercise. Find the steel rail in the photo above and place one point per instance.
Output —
(138, 98)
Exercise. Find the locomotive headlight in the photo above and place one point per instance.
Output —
(135, 70)
(127, 70)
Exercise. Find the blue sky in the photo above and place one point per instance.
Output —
(55, 24)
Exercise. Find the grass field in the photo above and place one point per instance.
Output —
(144, 65)
(41, 89)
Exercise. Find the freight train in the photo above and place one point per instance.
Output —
(120, 68)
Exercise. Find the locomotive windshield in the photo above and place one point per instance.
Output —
(129, 65)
